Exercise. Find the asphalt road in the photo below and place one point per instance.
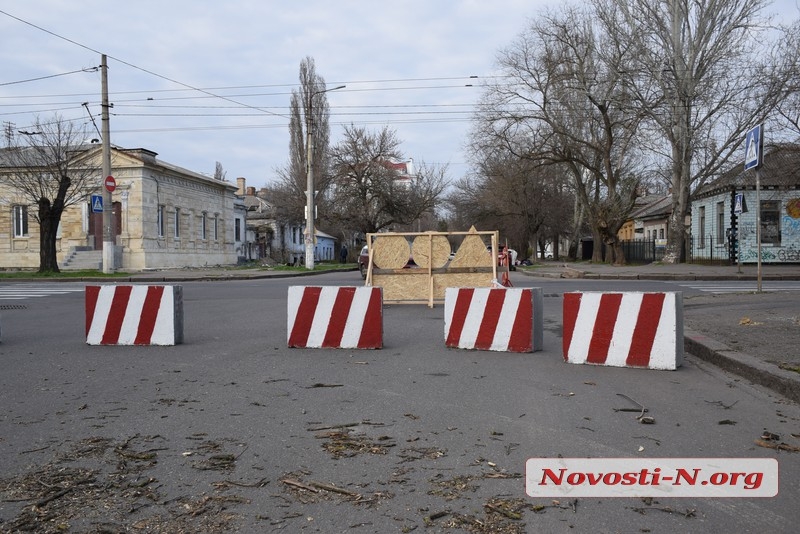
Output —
(232, 431)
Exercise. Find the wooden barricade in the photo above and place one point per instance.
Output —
(432, 271)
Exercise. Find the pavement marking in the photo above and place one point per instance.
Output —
(741, 287)
(24, 291)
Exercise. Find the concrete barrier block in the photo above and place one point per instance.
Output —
(335, 317)
(499, 319)
(134, 315)
(624, 329)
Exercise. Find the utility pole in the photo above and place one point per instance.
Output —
(108, 216)
(310, 233)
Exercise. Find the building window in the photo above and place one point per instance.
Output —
(770, 223)
(203, 226)
(177, 223)
(702, 223)
(216, 228)
(661, 233)
(237, 229)
(160, 220)
(20, 214)
(720, 223)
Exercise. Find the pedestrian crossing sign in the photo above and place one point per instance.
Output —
(753, 145)
(97, 203)
(740, 204)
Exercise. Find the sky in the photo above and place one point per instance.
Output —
(201, 82)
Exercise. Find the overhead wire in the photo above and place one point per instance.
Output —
(235, 99)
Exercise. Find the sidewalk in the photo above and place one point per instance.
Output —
(754, 335)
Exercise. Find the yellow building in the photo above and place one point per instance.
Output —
(165, 217)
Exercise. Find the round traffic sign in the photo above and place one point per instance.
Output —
(110, 184)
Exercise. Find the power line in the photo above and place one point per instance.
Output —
(88, 69)
(134, 66)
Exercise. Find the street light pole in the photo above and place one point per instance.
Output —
(108, 216)
(310, 232)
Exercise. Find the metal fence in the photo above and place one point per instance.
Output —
(706, 251)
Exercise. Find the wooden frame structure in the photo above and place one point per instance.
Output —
(472, 265)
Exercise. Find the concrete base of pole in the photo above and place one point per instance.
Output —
(310, 254)
(108, 257)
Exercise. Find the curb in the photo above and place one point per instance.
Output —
(188, 277)
(783, 382)
(571, 274)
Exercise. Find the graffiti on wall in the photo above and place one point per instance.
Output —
(785, 254)
(793, 208)
(790, 226)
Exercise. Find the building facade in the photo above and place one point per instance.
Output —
(726, 210)
(164, 217)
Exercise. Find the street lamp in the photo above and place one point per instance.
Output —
(309, 233)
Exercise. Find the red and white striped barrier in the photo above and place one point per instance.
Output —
(500, 319)
(626, 329)
(134, 315)
(335, 317)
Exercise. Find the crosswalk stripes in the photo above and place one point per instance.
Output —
(28, 291)
(741, 286)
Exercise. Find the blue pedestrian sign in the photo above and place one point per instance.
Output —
(753, 148)
(739, 204)
(97, 203)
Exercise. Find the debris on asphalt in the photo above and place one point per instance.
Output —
(429, 519)
(453, 488)
(411, 454)
(642, 418)
(777, 446)
(346, 444)
(746, 321)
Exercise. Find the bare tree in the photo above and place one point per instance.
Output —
(369, 194)
(563, 103)
(704, 72)
(49, 166)
(308, 106)
(219, 172)
(788, 111)
(514, 195)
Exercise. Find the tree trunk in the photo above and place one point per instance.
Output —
(676, 231)
(597, 246)
(48, 261)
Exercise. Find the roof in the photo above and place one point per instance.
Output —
(659, 206)
(781, 169)
(143, 155)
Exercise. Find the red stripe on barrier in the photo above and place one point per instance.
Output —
(305, 317)
(372, 330)
(521, 339)
(116, 315)
(603, 331)
(460, 310)
(92, 292)
(147, 322)
(572, 304)
(644, 333)
(339, 314)
(491, 316)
